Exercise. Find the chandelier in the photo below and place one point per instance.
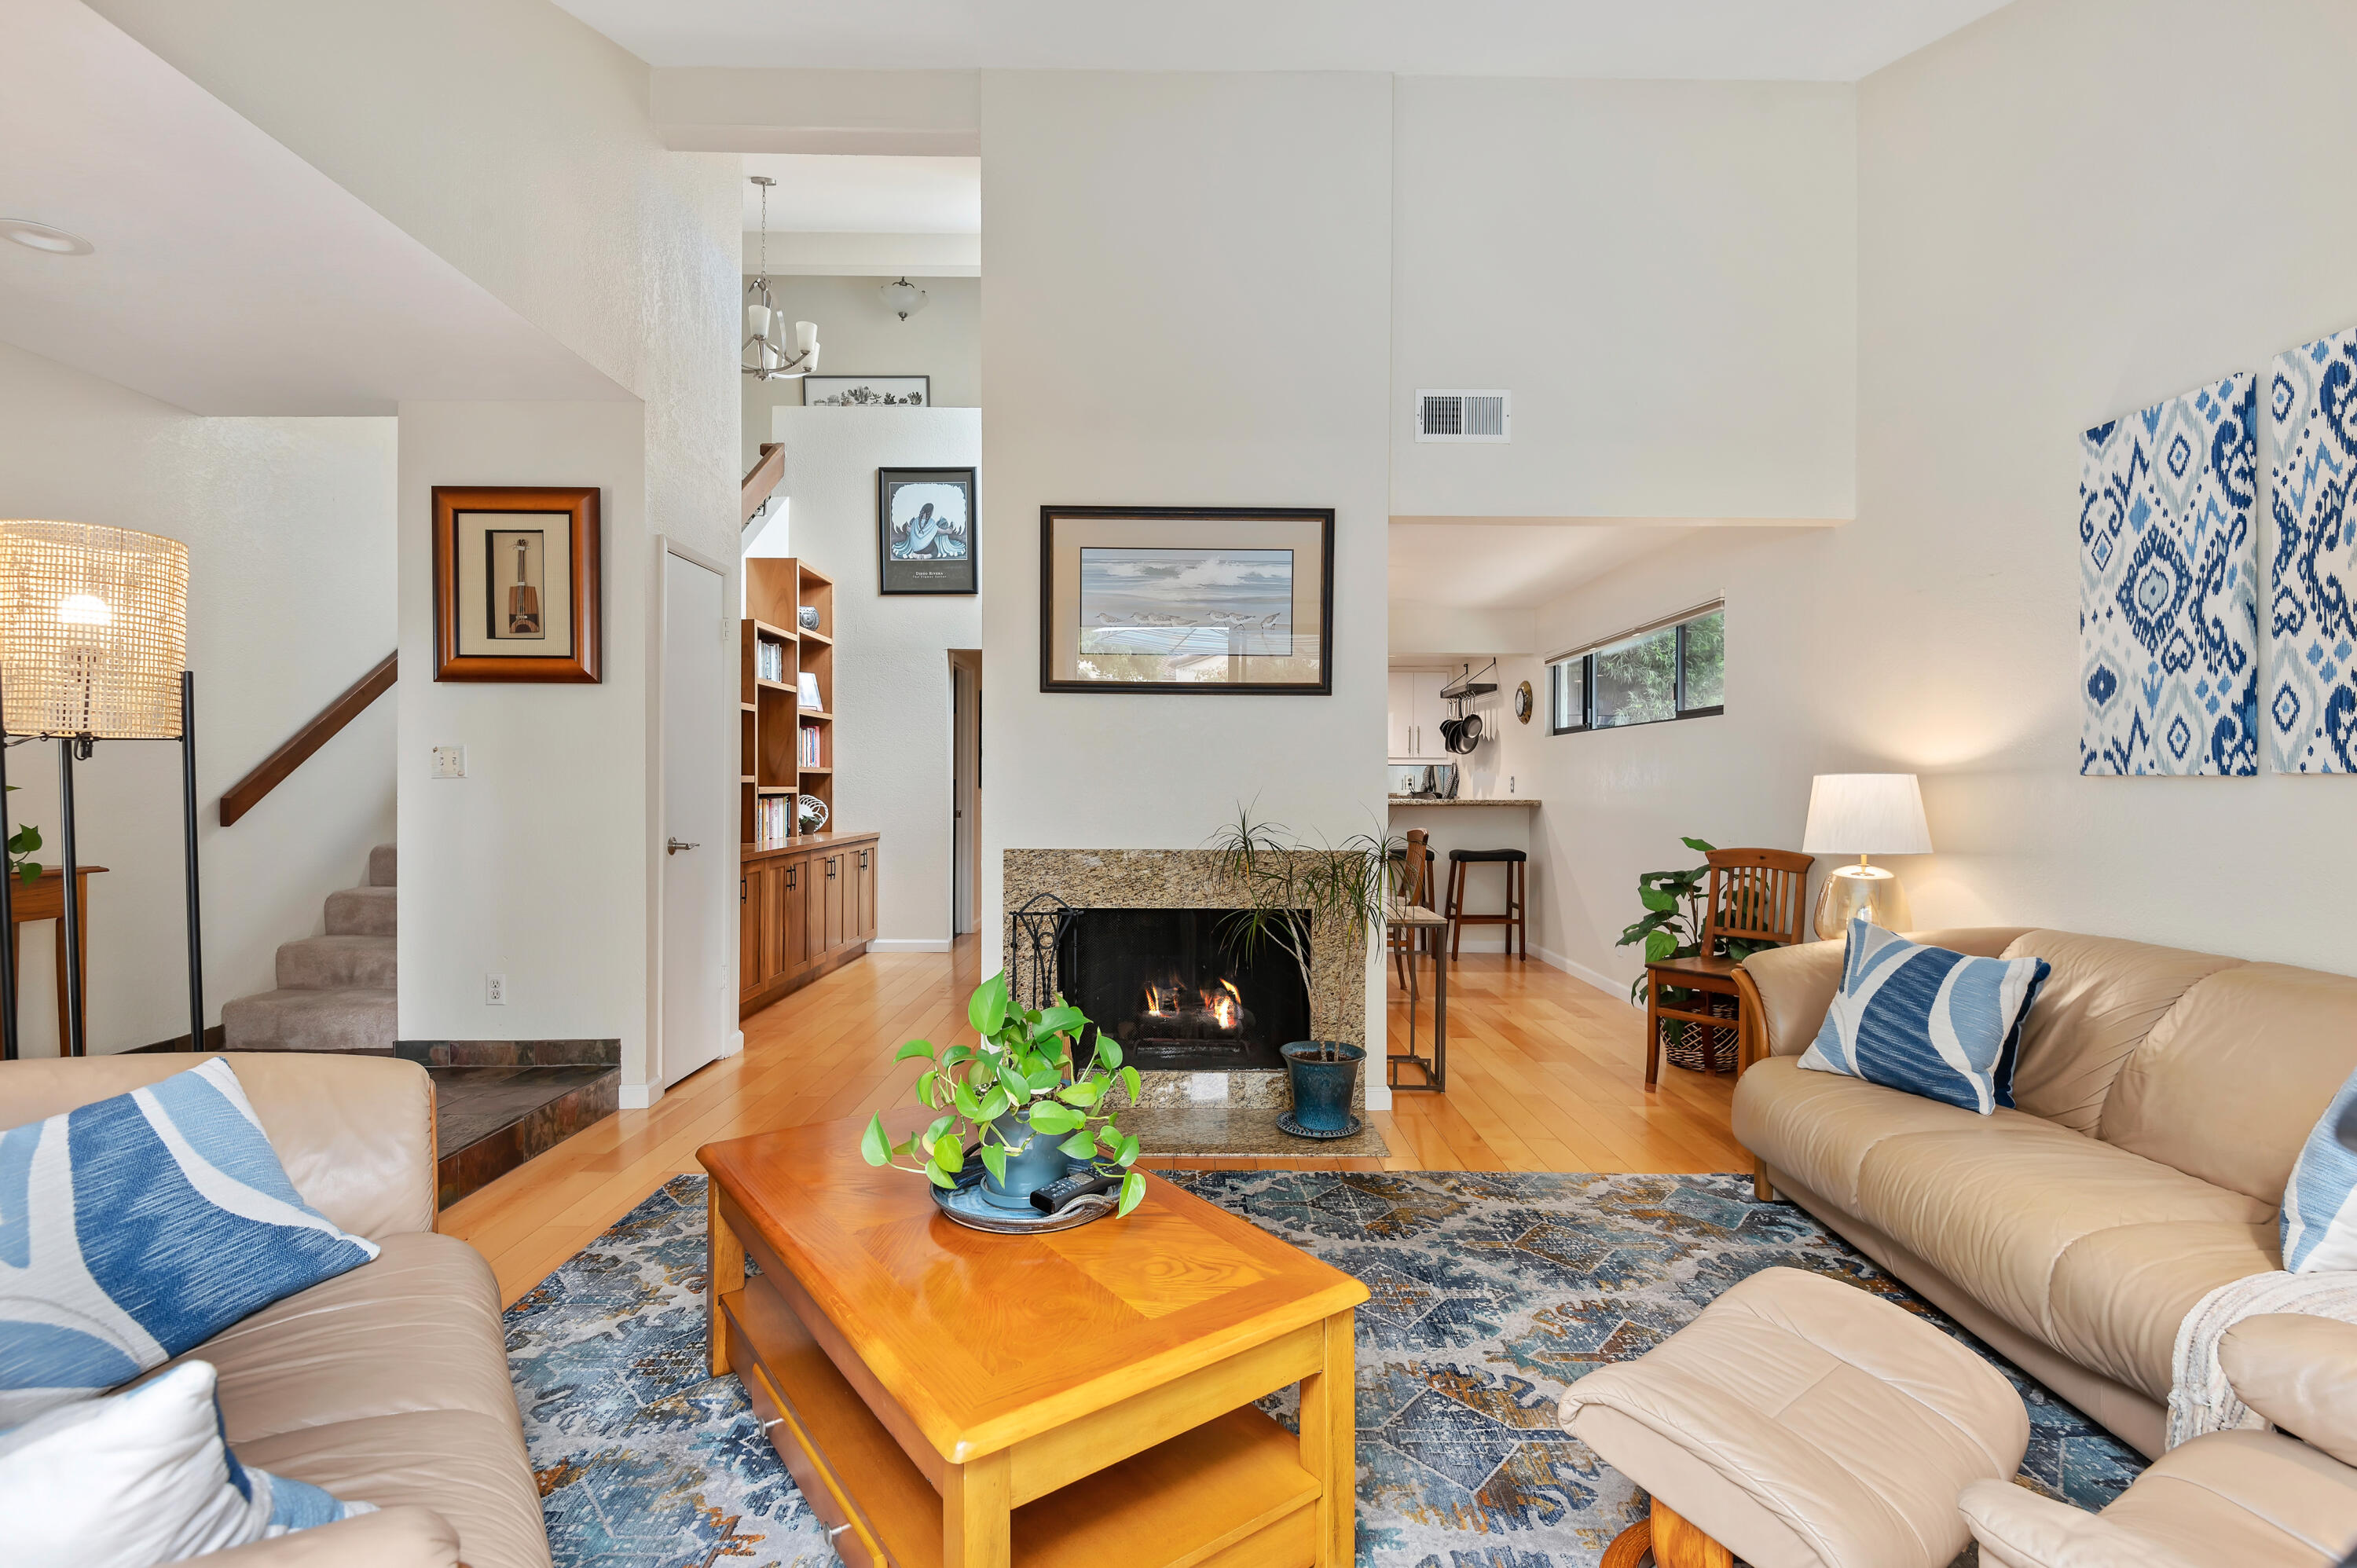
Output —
(765, 353)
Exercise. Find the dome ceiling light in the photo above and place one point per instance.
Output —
(44, 237)
(902, 298)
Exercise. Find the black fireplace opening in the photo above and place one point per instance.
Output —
(1169, 985)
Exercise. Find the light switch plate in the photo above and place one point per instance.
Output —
(450, 762)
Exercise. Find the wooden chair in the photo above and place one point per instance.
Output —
(1416, 882)
(1755, 894)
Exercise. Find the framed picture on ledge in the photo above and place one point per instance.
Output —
(928, 531)
(516, 587)
(1198, 599)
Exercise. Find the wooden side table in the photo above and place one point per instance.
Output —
(45, 900)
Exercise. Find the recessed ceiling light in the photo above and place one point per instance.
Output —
(42, 237)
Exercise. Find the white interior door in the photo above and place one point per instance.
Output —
(965, 766)
(698, 949)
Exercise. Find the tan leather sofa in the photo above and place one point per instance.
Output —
(388, 1384)
(2161, 1097)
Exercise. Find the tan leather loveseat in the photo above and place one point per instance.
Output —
(388, 1384)
(2162, 1097)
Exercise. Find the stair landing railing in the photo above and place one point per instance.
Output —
(247, 793)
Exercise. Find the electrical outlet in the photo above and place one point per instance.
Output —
(495, 990)
(450, 762)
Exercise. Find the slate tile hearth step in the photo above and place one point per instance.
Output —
(489, 1119)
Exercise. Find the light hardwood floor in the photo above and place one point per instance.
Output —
(1546, 1073)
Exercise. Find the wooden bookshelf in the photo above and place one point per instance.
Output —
(777, 651)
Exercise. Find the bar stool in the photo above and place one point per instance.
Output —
(1518, 881)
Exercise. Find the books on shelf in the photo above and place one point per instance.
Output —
(769, 660)
(770, 818)
(813, 746)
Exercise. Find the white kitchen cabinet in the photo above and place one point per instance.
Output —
(1416, 709)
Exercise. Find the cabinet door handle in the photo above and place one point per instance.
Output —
(740, 890)
(830, 866)
(790, 874)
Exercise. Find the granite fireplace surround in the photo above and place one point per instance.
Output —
(1184, 1113)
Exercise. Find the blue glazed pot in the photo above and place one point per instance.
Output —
(1321, 1089)
(1037, 1166)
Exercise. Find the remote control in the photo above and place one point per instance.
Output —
(1056, 1194)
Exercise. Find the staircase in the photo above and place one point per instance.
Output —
(334, 993)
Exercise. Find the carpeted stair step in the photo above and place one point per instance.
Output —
(319, 964)
(341, 1018)
(382, 861)
(364, 911)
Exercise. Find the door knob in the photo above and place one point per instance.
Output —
(674, 847)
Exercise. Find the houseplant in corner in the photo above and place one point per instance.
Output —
(1018, 1103)
(1291, 892)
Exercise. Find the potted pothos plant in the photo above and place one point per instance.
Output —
(1018, 1102)
(1288, 891)
(1672, 927)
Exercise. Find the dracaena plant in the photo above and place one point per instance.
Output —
(1025, 1065)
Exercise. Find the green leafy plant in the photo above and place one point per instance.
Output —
(21, 844)
(1022, 1065)
(1675, 920)
(1291, 888)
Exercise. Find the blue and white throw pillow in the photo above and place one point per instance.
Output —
(2319, 1207)
(1927, 1020)
(137, 1227)
(142, 1478)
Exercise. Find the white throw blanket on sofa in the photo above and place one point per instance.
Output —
(2202, 1401)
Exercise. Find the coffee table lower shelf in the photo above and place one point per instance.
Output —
(1229, 1494)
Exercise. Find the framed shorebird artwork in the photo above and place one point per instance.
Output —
(1197, 600)
(928, 532)
(516, 588)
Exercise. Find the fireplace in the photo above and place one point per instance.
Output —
(1168, 986)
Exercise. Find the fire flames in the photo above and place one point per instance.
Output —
(1168, 999)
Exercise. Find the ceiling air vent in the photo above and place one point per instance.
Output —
(1464, 415)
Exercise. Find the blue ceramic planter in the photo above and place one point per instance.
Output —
(1037, 1166)
(1321, 1089)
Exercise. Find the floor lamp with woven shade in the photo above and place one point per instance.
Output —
(93, 646)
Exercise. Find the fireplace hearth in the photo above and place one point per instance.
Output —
(1168, 986)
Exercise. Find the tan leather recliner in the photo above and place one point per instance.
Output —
(2254, 1499)
(388, 1384)
(2161, 1097)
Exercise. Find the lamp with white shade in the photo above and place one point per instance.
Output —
(93, 646)
(1864, 814)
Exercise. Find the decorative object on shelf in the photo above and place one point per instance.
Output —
(1523, 701)
(93, 646)
(1186, 599)
(2312, 713)
(806, 617)
(807, 692)
(764, 354)
(516, 583)
(810, 814)
(2168, 586)
(1287, 891)
(1023, 1096)
(1864, 814)
(867, 391)
(928, 532)
(902, 298)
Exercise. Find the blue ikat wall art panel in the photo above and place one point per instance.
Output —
(2168, 586)
(2311, 717)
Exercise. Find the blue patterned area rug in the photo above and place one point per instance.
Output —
(1491, 1292)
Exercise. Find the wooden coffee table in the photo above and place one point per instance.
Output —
(948, 1397)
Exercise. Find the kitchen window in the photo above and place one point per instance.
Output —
(1675, 669)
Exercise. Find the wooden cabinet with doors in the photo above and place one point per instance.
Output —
(807, 906)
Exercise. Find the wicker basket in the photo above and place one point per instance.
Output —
(1702, 1047)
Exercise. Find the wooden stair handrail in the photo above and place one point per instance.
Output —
(247, 793)
(763, 478)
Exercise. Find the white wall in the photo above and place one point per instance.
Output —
(289, 529)
(2068, 210)
(1664, 273)
(518, 144)
(1148, 340)
(892, 677)
(860, 337)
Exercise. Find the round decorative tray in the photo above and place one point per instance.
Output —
(963, 1205)
(1287, 1123)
